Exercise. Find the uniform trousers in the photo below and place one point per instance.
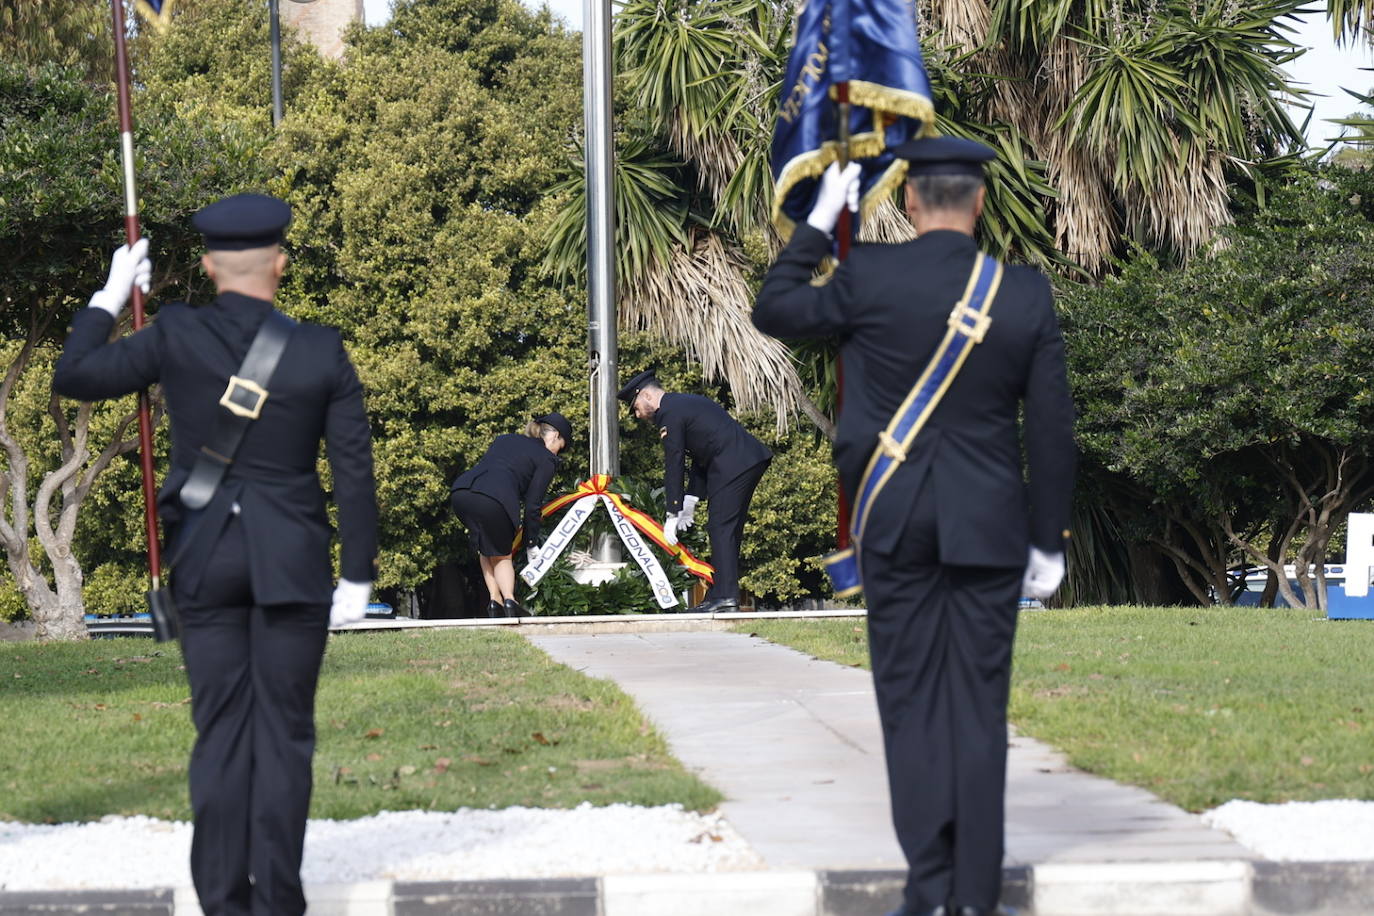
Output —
(941, 637)
(729, 510)
(253, 671)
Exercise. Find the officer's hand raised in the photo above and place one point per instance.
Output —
(350, 602)
(837, 189)
(670, 528)
(127, 267)
(1044, 572)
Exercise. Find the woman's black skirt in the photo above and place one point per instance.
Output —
(489, 528)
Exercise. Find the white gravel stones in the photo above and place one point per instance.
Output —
(1322, 831)
(142, 852)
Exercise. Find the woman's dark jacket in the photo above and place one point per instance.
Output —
(514, 469)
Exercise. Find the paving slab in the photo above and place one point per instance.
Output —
(795, 745)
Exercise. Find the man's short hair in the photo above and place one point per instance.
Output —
(247, 262)
(946, 192)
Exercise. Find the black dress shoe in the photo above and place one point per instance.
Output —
(938, 911)
(513, 609)
(982, 911)
(715, 606)
(494, 609)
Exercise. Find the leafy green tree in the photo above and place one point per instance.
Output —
(60, 183)
(418, 169)
(67, 33)
(1358, 134)
(415, 173)
(1229, 400)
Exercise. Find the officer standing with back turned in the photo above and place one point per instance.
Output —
(954, 534)
(251, 395)
(727, 465)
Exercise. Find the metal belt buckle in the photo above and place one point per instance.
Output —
(976, 330)
(239, 393)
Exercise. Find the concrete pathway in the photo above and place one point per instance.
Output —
(794, 744)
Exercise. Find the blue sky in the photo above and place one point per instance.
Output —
(1326, 69)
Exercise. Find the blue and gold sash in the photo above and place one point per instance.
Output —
(967, 324)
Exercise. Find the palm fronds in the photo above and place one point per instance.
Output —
(1118, 123)
(1351, 19)
(700, 301)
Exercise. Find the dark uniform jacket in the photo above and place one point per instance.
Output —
(314, 395)
(513, 467)
(888, 305)
(721, 449)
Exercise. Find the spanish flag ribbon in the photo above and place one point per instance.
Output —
(599, 485)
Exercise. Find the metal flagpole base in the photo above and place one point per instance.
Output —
(607, 549)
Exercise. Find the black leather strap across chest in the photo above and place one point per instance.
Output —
(242, 401)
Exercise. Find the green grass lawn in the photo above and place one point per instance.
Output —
(423, 719)
(1199, 705)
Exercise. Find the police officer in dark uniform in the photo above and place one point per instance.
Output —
(956, 536)
(727, 465)
(251, 568)
(487, 500)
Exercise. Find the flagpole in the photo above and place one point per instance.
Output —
(597, 78)
(274, 16)
(131, 234)
(843, 230)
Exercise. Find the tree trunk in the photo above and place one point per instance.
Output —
(817, 416)
(57, 606)
(61, 614)
(1154, 579)
(1271, 584)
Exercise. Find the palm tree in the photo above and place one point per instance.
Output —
(1351, 19)
(1119, 122)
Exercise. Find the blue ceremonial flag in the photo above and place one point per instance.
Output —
(873, 46)
(157, 12)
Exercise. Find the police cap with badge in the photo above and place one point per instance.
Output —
(243, 221)
(638, 383)
(560, 423)
(944, 156)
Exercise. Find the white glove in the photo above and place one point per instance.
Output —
(687, 517)
(837, 189)
(531, 554)
(350, 602)
(670, 528)
(1044, 572)
(127, 267)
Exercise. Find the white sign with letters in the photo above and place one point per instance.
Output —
(638, 546)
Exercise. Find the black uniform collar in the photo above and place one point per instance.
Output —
(238, 302)
(238, 315)
(657, 413)
(951, 239)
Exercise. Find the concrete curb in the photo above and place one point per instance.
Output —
(667, 622)
(1222, 888)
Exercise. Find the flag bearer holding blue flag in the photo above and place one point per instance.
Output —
(943, 348)
(865, 56)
